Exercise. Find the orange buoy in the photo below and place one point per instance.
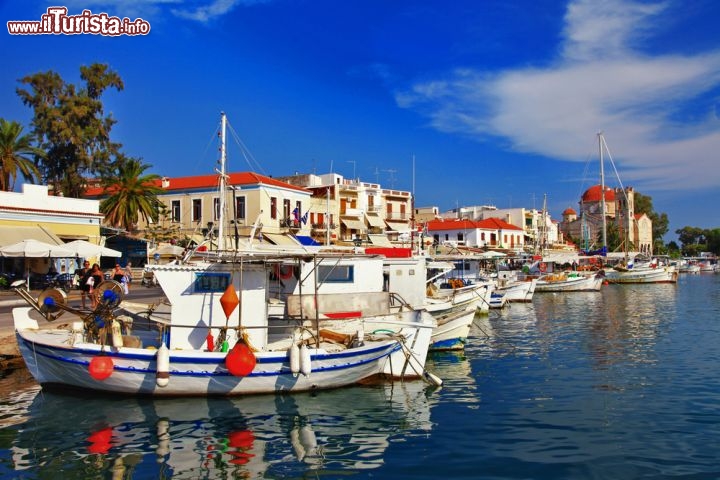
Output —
(229, 300)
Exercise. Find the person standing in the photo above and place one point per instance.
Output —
(83, 274)
(118, 274)
(96, 276)
(128, 275)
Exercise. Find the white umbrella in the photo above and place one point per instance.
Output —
(35, 248)
(85, 249)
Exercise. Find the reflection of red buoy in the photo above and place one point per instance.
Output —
(101, 367)
(241, 360)
(100, 441)
(241, 439)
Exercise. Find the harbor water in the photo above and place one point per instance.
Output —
(617, 384)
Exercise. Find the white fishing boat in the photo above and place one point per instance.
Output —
(346, 286)
(569, 282)
(653, 273)
(688, 266)
(196, 349)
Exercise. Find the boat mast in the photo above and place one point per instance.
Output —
(602, 192)
(223, 184)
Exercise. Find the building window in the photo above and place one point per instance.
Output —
(273, 207)
(196, 210)
(460, 237)
(240, 207)
(286, 209)
(175, 211)
(298, 207)
(216, 208)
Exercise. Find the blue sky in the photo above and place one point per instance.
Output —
(499, 102)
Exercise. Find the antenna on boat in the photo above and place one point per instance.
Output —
(602, 191)
(223, 184)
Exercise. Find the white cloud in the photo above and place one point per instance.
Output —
(599, 82)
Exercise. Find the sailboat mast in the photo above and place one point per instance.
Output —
(602, 192)
(223, 184)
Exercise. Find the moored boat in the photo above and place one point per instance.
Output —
(569, 282)
(198, 348)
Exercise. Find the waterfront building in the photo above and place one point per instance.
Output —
(193, 204)
(34, 213)
(488, 233)
(366, 212)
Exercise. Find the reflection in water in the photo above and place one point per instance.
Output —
(347, 429)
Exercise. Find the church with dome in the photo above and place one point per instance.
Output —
(585, 226)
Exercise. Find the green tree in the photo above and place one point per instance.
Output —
(131, 194)
(15, 154)
(163, 230)
(712, 237)
(70, 125)
(690, 235)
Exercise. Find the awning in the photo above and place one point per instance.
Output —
(380, 240)
(280, 239)
(12, 234)
(353, 224)
(398, 226)
(375, 221)
(305, 240)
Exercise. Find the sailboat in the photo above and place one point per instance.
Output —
(630, 270)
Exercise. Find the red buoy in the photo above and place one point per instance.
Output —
(241, 360)
(101, 367)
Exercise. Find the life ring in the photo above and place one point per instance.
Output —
(283, 272)
(543, 267)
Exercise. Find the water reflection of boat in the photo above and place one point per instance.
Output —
(253, 437)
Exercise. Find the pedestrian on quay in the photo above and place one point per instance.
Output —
(128, 276)
(83, 275)
(96, 276)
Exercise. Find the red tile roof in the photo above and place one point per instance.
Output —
(199, 182)
(454, 224)
(496, 224)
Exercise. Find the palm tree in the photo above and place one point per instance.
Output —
(131, 194)
(15, 152)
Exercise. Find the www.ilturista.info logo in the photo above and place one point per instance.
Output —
(57, 22)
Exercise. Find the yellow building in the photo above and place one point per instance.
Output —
(35, 214)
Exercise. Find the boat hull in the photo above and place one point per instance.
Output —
(452, 330)
(52, 359)
(649, 275)
(571, 284)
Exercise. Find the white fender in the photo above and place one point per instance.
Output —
(308, 440)
(162, 375)
(305, 361)
(116, 334)
(163, 447)
(294, 358)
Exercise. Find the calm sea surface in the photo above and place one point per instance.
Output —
(621, 384)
